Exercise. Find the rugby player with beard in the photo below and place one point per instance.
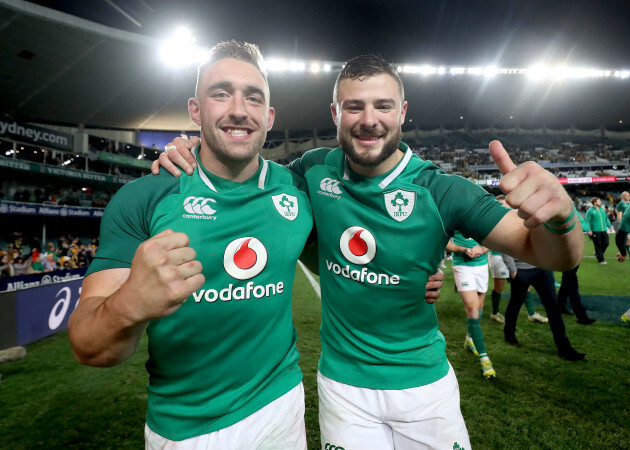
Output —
(383, 218)
(223, 366)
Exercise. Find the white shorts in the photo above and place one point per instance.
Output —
(278, 425)
(368, 419)
(498, 269)
(471, 278)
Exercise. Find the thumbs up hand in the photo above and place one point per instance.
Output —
(534, 192)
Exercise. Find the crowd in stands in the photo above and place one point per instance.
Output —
(62, 196)
(22, 255)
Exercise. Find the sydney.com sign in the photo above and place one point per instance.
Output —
(36, 135)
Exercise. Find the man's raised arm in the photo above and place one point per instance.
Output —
(545, 230)
(117, 304)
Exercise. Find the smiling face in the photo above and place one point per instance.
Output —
(232, 108)
(369, 112)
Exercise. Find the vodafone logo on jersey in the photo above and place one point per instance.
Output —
(358, 245)
(244, 258)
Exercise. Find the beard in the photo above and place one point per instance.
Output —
(368, 160)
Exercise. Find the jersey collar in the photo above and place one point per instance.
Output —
(392, 175)
(262, 177)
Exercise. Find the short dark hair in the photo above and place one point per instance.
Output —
(241, 51)
(594, 199)
(364, 66)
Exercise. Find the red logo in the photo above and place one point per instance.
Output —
(244, 258)
(358, 245)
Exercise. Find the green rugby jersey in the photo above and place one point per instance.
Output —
(624, 225)
(622, 206)
(380, 239)
(462, 259)
(230, 348)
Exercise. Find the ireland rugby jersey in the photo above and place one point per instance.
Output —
(624, 225)
(230, 349)
(462, 259)
(380, 239)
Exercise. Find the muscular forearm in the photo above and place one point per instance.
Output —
(450, 247)
(567, 253)
(538, 246)
(101, 334)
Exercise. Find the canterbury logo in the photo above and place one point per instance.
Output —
(199, 205)
(330, 185)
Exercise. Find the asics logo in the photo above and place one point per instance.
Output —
(199, 205)
(330, 185)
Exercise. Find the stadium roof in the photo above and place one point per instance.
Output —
(59, 67)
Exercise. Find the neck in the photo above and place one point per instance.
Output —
(380, 169)
(240, 171)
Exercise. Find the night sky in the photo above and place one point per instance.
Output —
(448, 32)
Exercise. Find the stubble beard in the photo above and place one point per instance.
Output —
(366, 160)
(223, 152)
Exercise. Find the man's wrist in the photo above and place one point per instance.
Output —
(565, 226)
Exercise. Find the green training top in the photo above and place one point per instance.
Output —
(462, 259)
(597, 218)
(230, 348)
(380, 239)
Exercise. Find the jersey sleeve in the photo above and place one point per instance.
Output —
(126, 222)
(465, 206)
(296, 167)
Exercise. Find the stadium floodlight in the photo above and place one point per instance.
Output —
(181, 47)
(474, 71)
(490, 71)
(457, 70)
(276, 65)
(297, 66)
(538, 72)
(315, 67)
(327, 67)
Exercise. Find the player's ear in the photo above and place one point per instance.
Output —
(271, 118)
(333, 111)
(403, 112)
(194, 111)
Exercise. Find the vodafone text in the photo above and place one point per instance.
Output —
(239, 293)
(363, 275)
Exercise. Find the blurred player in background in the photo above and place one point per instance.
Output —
(470, 269)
